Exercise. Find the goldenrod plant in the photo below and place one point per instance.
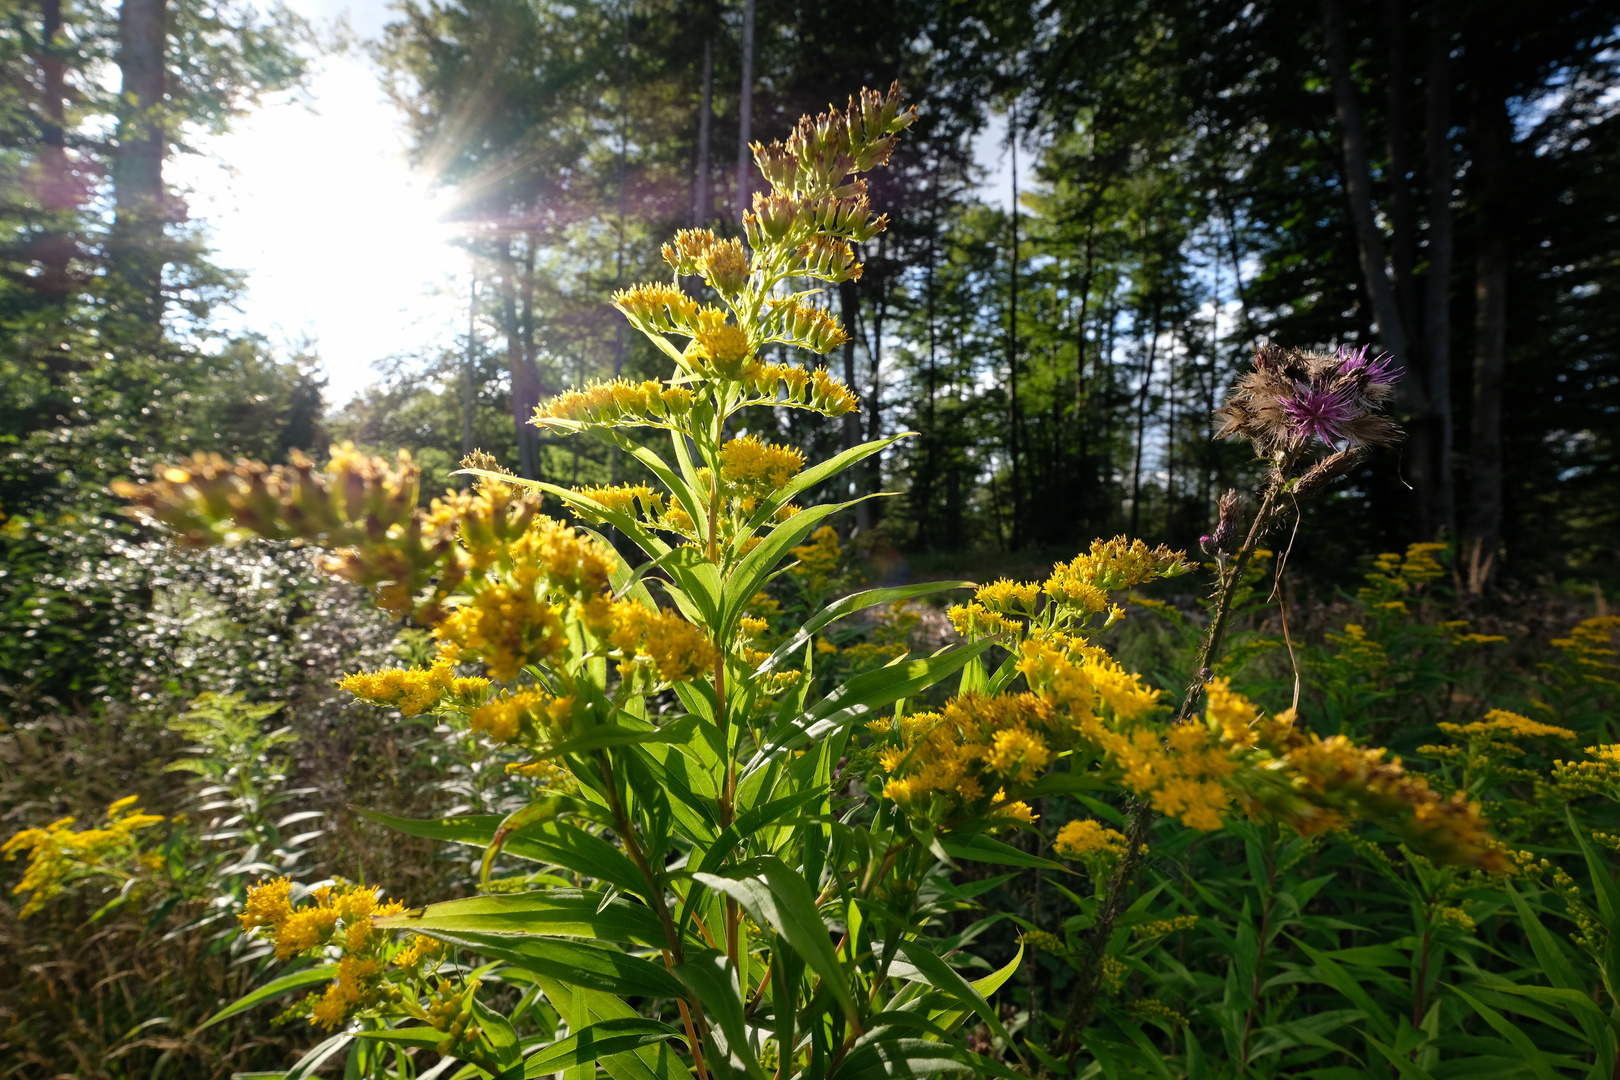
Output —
(693, 887)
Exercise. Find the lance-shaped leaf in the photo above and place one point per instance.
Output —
(548, 913)
(777, 896)
(573, 962)
(848, 606)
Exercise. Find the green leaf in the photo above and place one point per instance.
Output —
(555, 842)
(751, 571)
(580, 1008)
(861, 696)
(608, 735)
(886, 1057)
(941, 976)
(815, 474)
(775, 895)
(847, 606)
(1533, 1057)
(547, 913)
(598, 1042)
(713, 980)
(573, 962)
(275, 988)
(981, 848)
(428, 1037)
(1346, 984)
(950, 1019)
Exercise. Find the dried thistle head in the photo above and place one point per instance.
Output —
(1292, 397)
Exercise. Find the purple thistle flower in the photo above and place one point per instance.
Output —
(1319, 412)
(1352, 361)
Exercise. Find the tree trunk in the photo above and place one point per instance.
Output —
(745, 113)
(1014, 420)
(1374, 267)
(1141, 420)
(1490, 127)
(1402, 216)
(1437, 305)
(142, 141)
(702, 207)
(467, 377)
(525, 377)
(58, 193)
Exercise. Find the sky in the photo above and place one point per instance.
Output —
(312, 198)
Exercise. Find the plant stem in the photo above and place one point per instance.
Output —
(1209, 651)
(1087, 987)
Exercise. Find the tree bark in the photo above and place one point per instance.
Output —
(1490, 127)
(1410, 395)
(745, 113)
(1014, 420)
(142, 140)
(1437, 302)
(1401, 214)
(525, 377)
(58, 191)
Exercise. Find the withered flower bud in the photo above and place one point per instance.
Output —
(1292, 397)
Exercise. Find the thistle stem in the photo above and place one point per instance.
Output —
(1087, 987)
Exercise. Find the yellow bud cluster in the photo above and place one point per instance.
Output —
(829, 259)
(719, 347)
(1091, 842)
(689, 245)
(752, 466)
(415, 691)
(1159, 928)
(532, 715)
(1009, 597)
(623, 499)
(794, 322)
(658, 307)
(676, 649)
(1501, 724)
(1590, 650)
(1114, 564)
(724, 265)
(621, 402)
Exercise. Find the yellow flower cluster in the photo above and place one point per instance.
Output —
(1395, 576)
(1159, 928)
(657, 307)
(507, 621)
(1501, 724)
(415, 691)
(676, 649)
(537, 716)
(623, 499)
(1116, 564)
(1589, 648)
(1091, 842)
(57, 854)
(719, 347)
(339, 915)
(295, 930)
(1231, 713)
(791, 385)
(1075, 590)
(648, 404)
(506, 626)
(751, 466)
(1009, 597)
(962, 759)
(1359, 650)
